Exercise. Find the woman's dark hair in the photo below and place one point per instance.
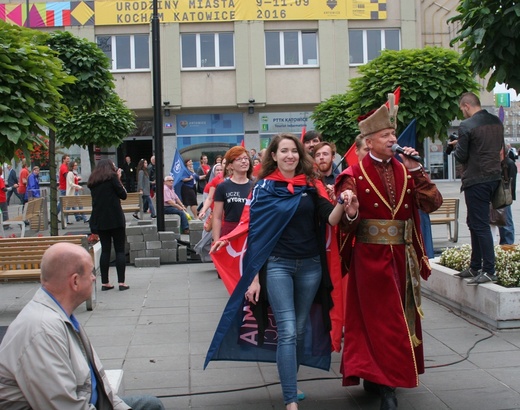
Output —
(71, 165)
(140, 167)
(305, 164)
(104, 171)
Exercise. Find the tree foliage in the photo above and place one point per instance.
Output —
(97, 115)
(490, 39)
(103, 127)
(431, 79)
(30, 82)
(86, 61)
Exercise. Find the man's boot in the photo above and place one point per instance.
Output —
(388, 399)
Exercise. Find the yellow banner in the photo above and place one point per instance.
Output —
(115, 12)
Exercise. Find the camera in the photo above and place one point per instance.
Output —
(251, 101)
(449, 148)
(166, 103)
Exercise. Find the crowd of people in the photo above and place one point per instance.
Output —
(312, 233)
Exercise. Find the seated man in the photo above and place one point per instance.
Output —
(46, 359)
(173, 205)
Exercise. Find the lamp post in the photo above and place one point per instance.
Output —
(157, 115)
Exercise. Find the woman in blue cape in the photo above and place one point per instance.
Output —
(284, 266)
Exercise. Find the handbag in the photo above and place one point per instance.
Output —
(497, 216)
(503, 196)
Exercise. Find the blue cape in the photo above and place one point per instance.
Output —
(271, 209)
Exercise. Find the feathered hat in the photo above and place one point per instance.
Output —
(382, 118)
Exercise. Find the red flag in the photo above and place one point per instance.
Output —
(228, 260)
(351, 156)
(397, 94)
(243, 144)
(304, 130)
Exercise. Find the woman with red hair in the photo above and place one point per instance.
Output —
(231, 195)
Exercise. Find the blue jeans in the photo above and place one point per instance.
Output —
(478, 198)
(143, 402)
(63, 192)
(171, 210)
(507, 233)
(291, 287)
(148, 204)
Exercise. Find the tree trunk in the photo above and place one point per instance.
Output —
(91, 156)
(53, 184)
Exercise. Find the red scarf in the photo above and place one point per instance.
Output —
(298, 180)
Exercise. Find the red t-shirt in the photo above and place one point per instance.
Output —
(22, 187)
(64, 170)
(3, 197)
(213, 183)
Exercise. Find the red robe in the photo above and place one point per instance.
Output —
(378, 345)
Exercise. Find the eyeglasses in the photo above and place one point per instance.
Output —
(241, 159)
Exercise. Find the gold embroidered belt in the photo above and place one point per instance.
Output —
(392, 232)
(381, 231)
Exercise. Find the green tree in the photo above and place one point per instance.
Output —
(30, 82)
(105, 126)
(93, 104)
(490, 39)
(431, 79)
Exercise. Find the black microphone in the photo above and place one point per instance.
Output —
(399, 150)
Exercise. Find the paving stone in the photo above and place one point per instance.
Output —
(134, 238)
(155, 253)
(153, 244)
(166, 236)
(182, 253)
(137, 246)
(195, 236)
(151, 237)
(196, 225)
(153, 262)
(133, 230)
(169, 244)
(168, 255)
(149, 229)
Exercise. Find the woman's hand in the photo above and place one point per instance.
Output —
(253, 292)
(202, 214)
(217, 245)
(350, 203)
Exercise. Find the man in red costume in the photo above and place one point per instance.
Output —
(383, 338)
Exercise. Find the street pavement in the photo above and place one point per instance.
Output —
(159, 331)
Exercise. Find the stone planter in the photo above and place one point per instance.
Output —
(492, 304)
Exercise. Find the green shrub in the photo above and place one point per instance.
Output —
(507, 263)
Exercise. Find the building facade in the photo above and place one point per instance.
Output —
(235, 70)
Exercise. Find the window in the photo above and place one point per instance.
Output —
(291, 48)
(207, 50)
(127, 52)
(365, 45)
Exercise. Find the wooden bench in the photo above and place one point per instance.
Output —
(448, 214)
(83, 205)
(20, 258)
(32, 213)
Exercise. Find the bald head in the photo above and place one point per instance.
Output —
(62, 260)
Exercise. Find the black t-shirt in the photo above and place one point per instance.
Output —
(234, 197)
(299, 239)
